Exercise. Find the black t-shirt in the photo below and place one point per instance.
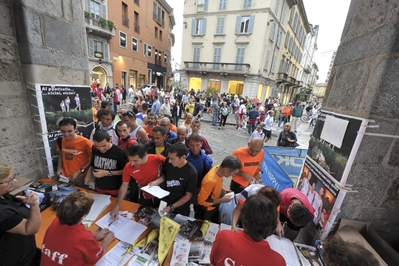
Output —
(15, 249)
(197, 108)
(178, 182)
(112, 160)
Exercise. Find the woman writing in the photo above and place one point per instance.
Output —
(287, 138)
(67, 241)
(18, 223)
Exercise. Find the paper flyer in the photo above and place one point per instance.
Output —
(167, 234)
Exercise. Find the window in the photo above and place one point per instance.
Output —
(198, 26)
(240, 58)
(156, 33)
(156, 57)
(123, 78)
(274, 64)
(222, 5)
(196, 56)
(98, 47)
(280, 36)
(125, 20)
(158, 14)
(165, 58)
(220, 26)
(247, 4)
(145, 49)
(137, 2)
(160, 35)
(149, 50)
(136, 22)
(135, 47)
(245, 24)
(277, 6)
(267, 61)
(96, 9)
(202, 6)
(272, 32)
(217, 53)
(122, 39)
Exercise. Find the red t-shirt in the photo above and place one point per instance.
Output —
(291, 193)
(116, 97)
(145, 173)
(126, 143)
(240, 249)
(69, 245)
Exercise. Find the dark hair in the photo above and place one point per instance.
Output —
(67, 122)
(101, 135)
(271, 193)
(179, 148)
(152, 114)
(259, 217)
(138, 149)
(230, 162)
(74, 207)
(104, 104)
(108, 112)
(337, 252)
(144, 106)
(130, 114)
(119, 124)
(160, 129)
(299, 214)
(194, 137)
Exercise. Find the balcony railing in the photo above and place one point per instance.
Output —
(125, 21)
(137, 28)
(100, 26)
(223, 68)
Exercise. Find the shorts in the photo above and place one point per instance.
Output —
(268, 133)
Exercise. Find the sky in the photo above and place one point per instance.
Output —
(329, 15)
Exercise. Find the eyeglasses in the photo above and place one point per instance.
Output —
(9, 181)
(129, 114)
(163, 125)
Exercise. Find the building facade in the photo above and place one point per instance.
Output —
(247, 47)
(99, 32)
(141, 49)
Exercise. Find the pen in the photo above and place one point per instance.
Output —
(111, 222)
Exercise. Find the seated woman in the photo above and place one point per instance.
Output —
(287, 138)
(67, 241)
(18, 224)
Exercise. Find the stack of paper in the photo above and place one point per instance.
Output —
(100, 203)
(286, 248)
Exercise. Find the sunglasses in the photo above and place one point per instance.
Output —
(9, 181)
(129, 114)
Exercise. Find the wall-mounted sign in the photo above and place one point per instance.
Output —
(98, 55)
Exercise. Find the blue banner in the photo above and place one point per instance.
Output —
(273, 175)
(291, 160)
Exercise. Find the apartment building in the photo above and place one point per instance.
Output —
(99, 31)
(141, 49)
(249, 47)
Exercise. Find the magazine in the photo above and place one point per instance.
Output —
(148, 216)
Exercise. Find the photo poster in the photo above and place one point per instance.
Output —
(334, 143)
(56, 102)
(321, 191)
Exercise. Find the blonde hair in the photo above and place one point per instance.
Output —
(5, 170)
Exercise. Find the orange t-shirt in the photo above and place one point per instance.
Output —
(75, 154)
(173, 128)
(250, 164)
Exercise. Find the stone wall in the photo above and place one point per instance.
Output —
(365, 83)
(42, 42)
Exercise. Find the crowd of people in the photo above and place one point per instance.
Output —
(148, 145)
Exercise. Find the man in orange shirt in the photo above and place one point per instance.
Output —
(285, 114)
(251, 159)
(75, 152)
(212, 192)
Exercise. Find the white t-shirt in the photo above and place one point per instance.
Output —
(247, 192)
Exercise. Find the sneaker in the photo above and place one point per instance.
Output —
(239, 128)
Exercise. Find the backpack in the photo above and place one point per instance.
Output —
(59, 143)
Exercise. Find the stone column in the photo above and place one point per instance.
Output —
(365, 83)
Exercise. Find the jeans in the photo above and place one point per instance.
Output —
(176, 120)
(251, 128)
(281, 119)
(214, 118)
(223, 119)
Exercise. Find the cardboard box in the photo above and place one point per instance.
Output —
(385, 253)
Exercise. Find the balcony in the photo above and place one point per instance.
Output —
(212, 67)
(125, 21)
(100, 26)
(137, 28)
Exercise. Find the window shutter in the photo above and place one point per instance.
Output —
(205, 5)
(145, 49)
(106, 53)
(203, 26)
(91, 48)
(193, 25)
(267, 60)
(104, 11)
(251, 24)
(238, 22)
(88, 5)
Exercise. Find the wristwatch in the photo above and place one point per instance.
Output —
(109, 173)
(171, 208)
(82, 170)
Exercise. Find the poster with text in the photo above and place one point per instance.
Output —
(334, 143)
(56, 102)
